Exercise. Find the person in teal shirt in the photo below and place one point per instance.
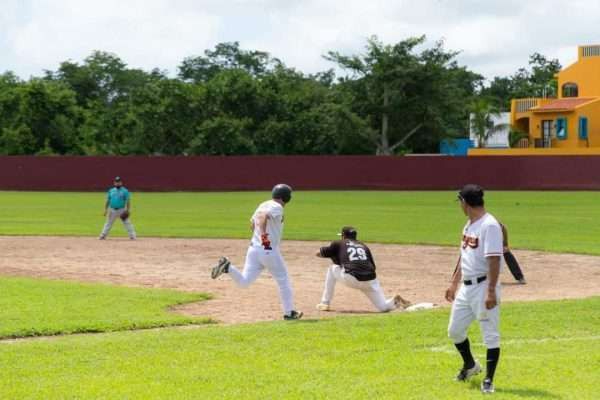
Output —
(118, 205)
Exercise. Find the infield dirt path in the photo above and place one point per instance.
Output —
(418, 273)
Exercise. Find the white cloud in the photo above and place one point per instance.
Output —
(144, 34)
(494, 37)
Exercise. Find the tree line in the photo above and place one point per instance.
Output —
(389, 99)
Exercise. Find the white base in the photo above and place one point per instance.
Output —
(421, 306)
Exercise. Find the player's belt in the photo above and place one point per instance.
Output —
(469, 282)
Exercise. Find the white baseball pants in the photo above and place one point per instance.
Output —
(258, 259)
(113, 214)
(468, 306)
(372, 289)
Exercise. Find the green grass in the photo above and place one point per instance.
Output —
(32, 307)
(550, 351)
(551, 221)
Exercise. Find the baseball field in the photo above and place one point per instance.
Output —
(83, 318)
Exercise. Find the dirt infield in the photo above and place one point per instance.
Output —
(419, 273)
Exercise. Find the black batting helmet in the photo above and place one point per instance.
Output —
(283, 192)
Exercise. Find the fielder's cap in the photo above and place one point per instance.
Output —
(117, 179)
(471, 194)
(348, 231)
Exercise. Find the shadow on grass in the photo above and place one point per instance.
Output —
(55, 334)
(521, 392)
(532, 393)
(360, 312)
(307, 321)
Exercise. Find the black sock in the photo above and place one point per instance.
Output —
(493, 355)
(464, 348)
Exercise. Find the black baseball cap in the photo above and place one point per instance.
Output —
(471, 194)
(117, 179)
(348, 232)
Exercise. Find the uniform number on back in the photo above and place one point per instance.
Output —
(357, 254)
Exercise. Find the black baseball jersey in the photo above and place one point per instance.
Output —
(354, 256)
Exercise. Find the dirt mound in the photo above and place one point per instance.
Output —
(418, 273)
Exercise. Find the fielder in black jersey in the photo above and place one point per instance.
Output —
(353, 265)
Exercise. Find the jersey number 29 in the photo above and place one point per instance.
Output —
(357, 254)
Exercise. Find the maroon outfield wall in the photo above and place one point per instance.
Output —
(302, 172)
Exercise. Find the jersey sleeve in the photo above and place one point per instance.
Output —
(370, 256)
(492, 241)
(330, 251)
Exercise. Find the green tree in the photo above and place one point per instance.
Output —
(237, 101)
(539, 80)
(232, 92)
(17, 141)
(403, 93)
(301, 114)
(482, 120)
(222, 136)
(119, 103)
(163, 117)
(225, 56)
(39, 114)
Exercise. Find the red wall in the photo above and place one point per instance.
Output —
(302, 172)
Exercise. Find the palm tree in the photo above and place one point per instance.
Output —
(482, 122)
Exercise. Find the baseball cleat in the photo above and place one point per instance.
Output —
(293, 315)
(221, 268)
(487, 386)
(102, 238)
(323, 307)
(401, 302)
(466, 373)
(522, 281)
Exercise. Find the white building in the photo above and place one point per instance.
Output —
(498, 139)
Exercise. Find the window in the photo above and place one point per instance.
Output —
(583, 128)
(570, 89)
(561, 128)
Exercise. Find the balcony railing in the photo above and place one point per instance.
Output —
(524, 105)
(590, 51)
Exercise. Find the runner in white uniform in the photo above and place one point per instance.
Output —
(479, 293)
(267, 227)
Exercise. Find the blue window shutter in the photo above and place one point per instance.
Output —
(583, 128)
(561, 128)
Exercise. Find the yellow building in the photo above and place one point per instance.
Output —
(567, 125)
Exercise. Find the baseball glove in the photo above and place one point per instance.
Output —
(125, 215)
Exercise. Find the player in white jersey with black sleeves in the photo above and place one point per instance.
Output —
(478, 297)
(267, 229)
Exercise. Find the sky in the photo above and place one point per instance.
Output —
(494, 37)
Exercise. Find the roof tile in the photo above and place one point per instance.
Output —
(565, 104)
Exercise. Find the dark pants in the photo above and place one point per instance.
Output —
(513, 265)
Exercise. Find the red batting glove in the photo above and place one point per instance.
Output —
(266, 243)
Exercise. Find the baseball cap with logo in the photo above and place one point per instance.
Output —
(348, 232)
(471, 194)
(117, 179)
